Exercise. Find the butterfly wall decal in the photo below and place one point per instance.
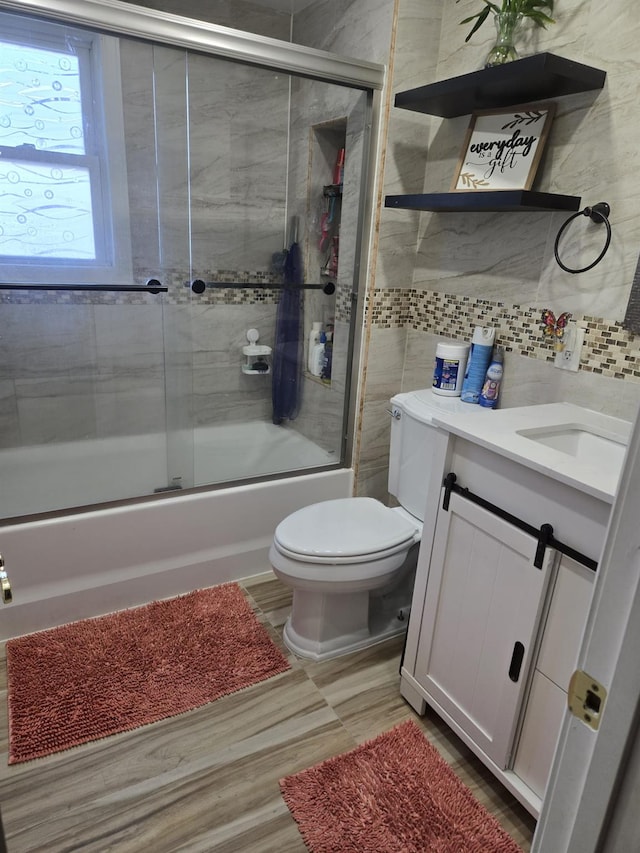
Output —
(553, 328)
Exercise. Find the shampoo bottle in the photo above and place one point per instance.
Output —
(314, 338)
(328, 358)
(493, 378)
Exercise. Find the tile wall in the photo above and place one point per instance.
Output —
(438, 275)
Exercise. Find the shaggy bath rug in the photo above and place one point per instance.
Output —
(393, 794)
(93, 678)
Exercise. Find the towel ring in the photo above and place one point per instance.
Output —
(598, 213)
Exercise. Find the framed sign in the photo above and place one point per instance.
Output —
(502, 148)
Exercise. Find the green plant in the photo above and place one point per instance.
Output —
(527, 8)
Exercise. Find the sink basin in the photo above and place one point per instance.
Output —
(576, 446)
(584, 443)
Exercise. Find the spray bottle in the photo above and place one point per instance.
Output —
(479, 359)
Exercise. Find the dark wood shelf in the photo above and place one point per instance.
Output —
(533, 78)
(476, 201)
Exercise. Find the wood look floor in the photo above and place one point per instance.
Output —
(207, 780)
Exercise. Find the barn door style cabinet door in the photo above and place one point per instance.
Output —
(486, 591)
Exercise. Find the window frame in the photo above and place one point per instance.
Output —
(104, 157)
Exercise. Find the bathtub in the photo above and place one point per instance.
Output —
(51, 477)
(85, 563)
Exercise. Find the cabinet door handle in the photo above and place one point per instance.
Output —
(516, 661)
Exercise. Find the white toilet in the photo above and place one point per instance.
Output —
(351, 562)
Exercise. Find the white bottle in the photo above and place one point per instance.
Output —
(314, 339)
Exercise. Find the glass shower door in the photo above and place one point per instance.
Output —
(238, 131)
(275, 170)
(154, 84)
(214, 175)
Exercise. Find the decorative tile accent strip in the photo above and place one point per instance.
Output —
(342, 310)
(390, 308)
(608, 350)
(267, 288)
(611, 350)
(632, 315)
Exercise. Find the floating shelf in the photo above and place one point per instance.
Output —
(497, 200)
(533, 78)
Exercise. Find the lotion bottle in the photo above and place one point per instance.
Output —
(314, 338)
(491, 388)
(318, 356)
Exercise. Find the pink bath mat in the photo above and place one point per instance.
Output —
(393, 794)
(89, 679)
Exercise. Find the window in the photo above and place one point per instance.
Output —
(60, 177)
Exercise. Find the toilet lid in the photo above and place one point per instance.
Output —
(344, 528)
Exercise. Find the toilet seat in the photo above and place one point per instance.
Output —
(344, 531)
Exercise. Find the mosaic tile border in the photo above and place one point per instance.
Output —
(609, 350)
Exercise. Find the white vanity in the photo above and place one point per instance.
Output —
(516, 519)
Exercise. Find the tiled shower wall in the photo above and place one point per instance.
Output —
(436, 276)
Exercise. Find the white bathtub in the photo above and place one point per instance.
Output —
(83, 564)
(50, 477)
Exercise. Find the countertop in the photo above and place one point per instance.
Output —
(500, 430)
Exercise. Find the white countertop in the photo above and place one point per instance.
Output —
(500, 430)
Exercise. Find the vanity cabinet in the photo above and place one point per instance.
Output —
(480, 622)
(498, 615)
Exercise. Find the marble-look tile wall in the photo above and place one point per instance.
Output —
(405, 138)
(508, 259)
(238, 14)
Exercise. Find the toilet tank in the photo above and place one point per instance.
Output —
(411, 449)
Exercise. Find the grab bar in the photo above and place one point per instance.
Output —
(152, 286)
(198, 285)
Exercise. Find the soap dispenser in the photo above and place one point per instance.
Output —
(256, 355)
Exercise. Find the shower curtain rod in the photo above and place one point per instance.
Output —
(199, 286)
(152, 286)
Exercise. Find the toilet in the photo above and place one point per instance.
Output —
(351, 562)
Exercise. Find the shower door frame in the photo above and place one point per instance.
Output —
(223, 42)
(116, 18)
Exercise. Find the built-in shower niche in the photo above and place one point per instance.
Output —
(324, 217)
(319, 190)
